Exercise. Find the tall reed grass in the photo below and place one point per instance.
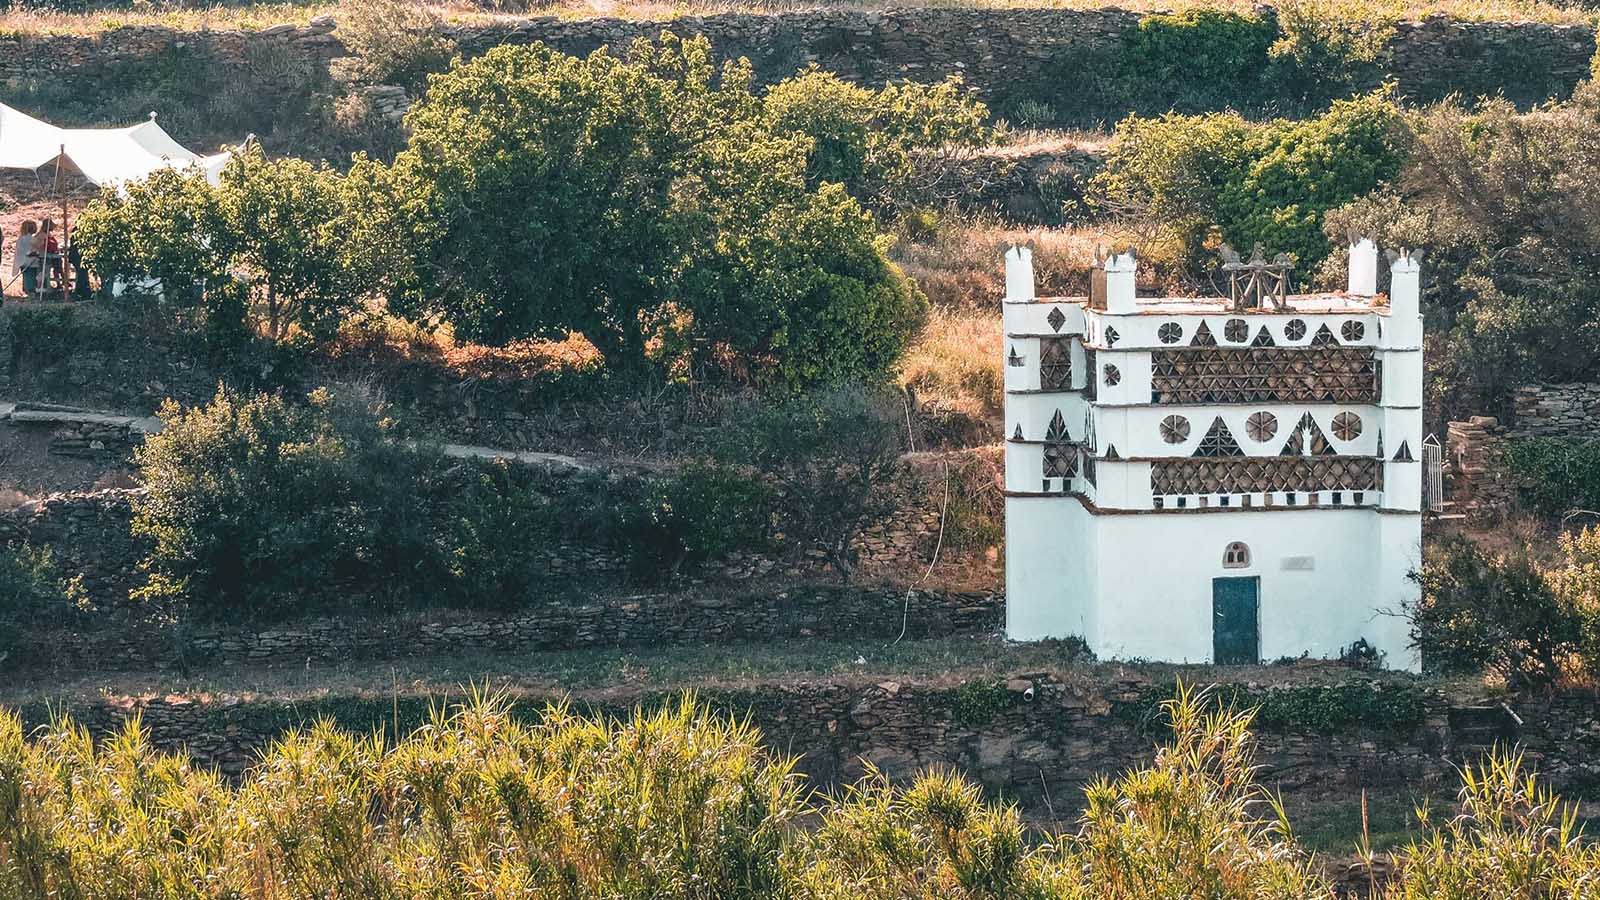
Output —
(681, 803)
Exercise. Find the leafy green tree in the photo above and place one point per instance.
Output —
(162, 227)
(269, 246)
(284, 232)
(541, 193)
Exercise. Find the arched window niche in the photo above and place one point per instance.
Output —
(1236, 556)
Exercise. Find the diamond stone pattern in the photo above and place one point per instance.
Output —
(1056, 318)
(1264, 375)
(1261, 474)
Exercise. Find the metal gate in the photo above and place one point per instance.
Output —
(1432, 474)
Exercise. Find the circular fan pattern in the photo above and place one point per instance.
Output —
(1294, 329)
(1261, 426)
(1170, 332)
(1174, 429)
(1236, 330)
(1353, 330)
(1347, 426)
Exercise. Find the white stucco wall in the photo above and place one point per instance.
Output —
(1053, 541)
(1156, 571)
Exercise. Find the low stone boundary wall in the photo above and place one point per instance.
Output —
(756, 614)
(1038, 749)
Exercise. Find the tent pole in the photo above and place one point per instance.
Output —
(61, 246)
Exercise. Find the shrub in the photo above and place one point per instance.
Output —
(866, 140)
(1208, 58)
(257, 507)
(1555, 476)
(936, 838)
(640, 190)
(493, 527)
(681, 804)
(834, 456)
(395, 41)
(675, 804)
(1298, 171)
(1174, 169)
(1195, 818)
(1511, 838)
(1497, 613)
(701, 512)
(33, 590)
(1324, 56)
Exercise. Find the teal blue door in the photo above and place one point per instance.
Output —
(1235, 621)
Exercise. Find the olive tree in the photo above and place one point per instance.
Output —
(834, 455)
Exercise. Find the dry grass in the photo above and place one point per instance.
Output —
(955, 362)
(383, 341)
(961, 267)
(261, 15)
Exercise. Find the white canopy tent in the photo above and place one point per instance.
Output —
(105, 156)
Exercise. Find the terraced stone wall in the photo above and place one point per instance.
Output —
(1004, 53)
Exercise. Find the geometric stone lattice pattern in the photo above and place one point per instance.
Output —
(1055, 364)
(1218, 441)
(1263, 375)
(1060, 457)
(1257, 474)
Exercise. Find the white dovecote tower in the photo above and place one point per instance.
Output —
(1228, 479)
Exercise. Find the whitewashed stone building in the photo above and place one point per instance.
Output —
(1227, 480)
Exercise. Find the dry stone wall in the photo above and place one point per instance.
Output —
(1002, 52)
(1480, 484)
(755, 613)
(1039, 741)
(1568, 411)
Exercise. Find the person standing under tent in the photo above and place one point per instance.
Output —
(22, 259)
(48, 250)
